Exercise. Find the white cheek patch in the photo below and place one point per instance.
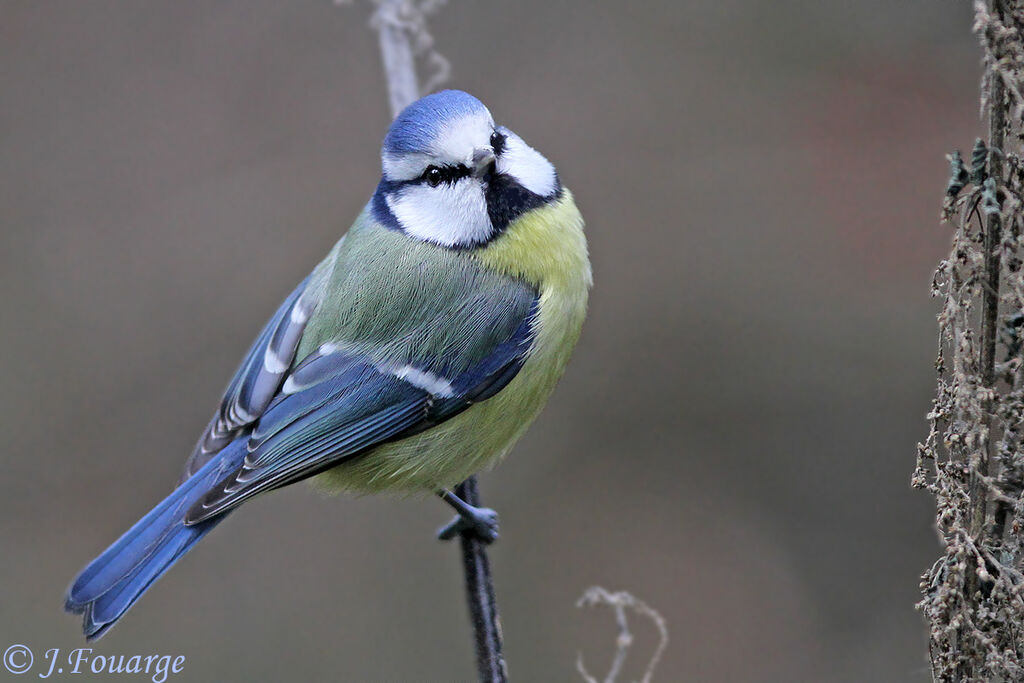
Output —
(528, 166)
(449, 214)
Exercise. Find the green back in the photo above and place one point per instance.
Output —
(400, 300)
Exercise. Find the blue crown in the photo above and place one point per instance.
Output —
(419, 123)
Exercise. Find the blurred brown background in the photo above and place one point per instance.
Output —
(733, 442)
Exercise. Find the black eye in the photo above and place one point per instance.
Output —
(497, 142)
(433, 176)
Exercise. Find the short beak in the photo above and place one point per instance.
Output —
(483, 161)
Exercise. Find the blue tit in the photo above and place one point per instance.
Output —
(412, 357)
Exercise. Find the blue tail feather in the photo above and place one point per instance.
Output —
(111, 583)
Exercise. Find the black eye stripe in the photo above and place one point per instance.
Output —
(498, 142)
(435, 175)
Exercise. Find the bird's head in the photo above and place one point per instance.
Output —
(454, 178)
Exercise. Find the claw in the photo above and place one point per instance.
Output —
(483, 524)
(480, 522)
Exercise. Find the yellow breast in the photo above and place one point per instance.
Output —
(546, 247)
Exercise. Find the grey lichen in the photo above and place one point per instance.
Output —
(973, 458)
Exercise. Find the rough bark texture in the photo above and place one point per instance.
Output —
(973, 458)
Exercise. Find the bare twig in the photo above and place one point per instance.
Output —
(392, 26)
(483, 606)
(620, 602)
(402, 27)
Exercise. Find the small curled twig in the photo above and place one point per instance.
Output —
(405, 38)
(620, 602)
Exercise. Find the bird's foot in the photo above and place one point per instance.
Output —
(480, 522)
(483, 524)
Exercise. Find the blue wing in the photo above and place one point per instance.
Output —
(336, 404)
(257, 379)
(275, 427)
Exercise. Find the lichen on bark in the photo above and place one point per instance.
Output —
(972, 460)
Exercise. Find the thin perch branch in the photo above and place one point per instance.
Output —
(401, 26)
(483, 607)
